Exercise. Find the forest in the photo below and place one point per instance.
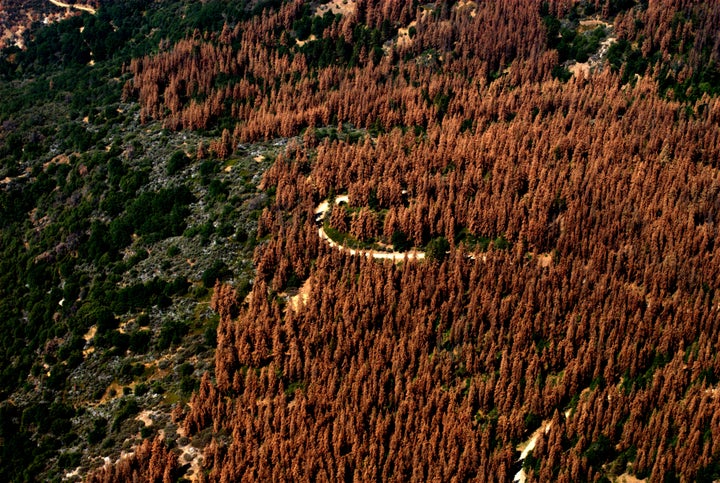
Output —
(556, 162)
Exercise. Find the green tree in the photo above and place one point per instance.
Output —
(437, 249)
(400, 241)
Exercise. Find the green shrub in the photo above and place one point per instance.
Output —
(71, 459)
(210, 337)
(501, 243)
(171, 332)
(208, 168)
(128, 407)
(186, 369)
(98, 431)
(177, 162)
(139, 341)
(218, 271)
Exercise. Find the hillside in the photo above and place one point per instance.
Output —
(460, 241)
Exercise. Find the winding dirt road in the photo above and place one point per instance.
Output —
(320, 212)
(527, 447)
(84, 8)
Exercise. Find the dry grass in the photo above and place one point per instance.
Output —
(342, 7)
(300, 299)
(403, 39)
(627, 478)
(592, 24)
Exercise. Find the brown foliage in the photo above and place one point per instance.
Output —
(452, 358)
(151, 462)
(605, 303)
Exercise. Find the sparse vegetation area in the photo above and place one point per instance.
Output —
(102, 265)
